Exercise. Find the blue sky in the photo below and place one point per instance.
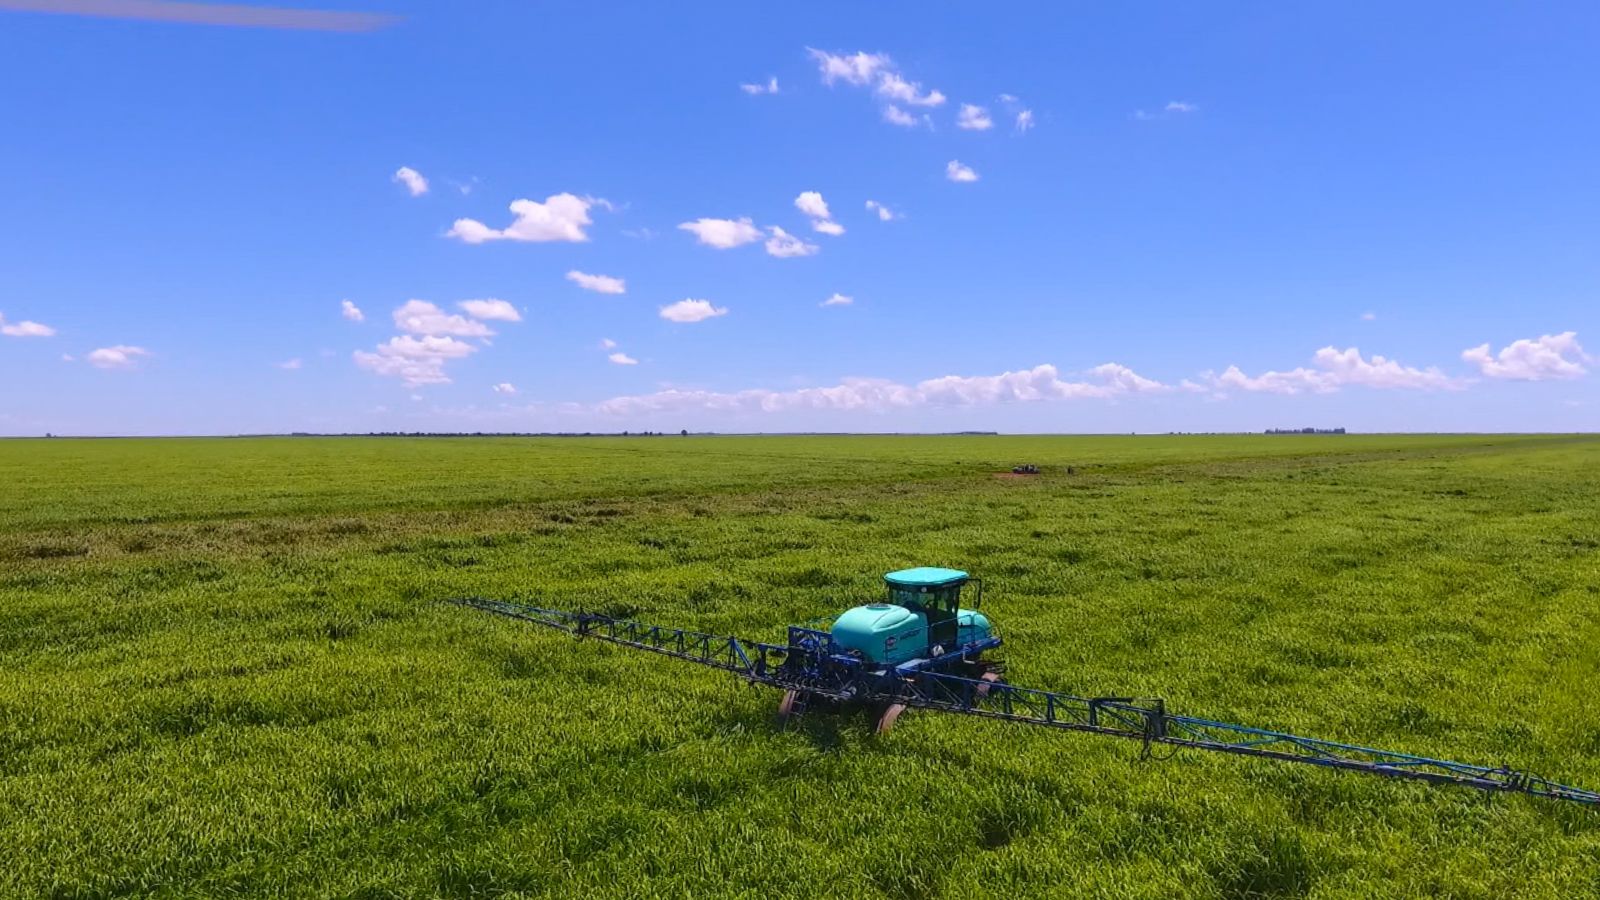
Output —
(1213, 217)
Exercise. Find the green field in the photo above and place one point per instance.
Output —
(223, 672)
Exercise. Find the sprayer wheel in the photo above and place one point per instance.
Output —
(786, 706)
(987, 678)
(887, 719)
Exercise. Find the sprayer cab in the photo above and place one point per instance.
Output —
(921, 619)
(935, 593)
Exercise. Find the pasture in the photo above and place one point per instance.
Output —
(223, 671)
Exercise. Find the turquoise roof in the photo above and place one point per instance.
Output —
(925, 576)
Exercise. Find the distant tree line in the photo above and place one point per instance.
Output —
(1305, 431)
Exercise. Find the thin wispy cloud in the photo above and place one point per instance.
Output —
(227, 14)
(1173, 108)
(885, 214)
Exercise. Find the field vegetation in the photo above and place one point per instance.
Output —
(224, 672)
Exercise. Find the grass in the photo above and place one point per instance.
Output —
(222, 672)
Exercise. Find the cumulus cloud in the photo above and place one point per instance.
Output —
(600, 284)
(497, 310)
(838, 300)
(290, 364)
(783, 244)
(873, 394)
(812, 204)
(974, 118)
(771, 87)
(351, 311)
(1024, 120)
(561, 217)
(607, 344)
(120, 356)
(955, 171)
(422, 317)
(885, 214)
(504, 387)
(1550, 356)
(691, 311)
(415, 361)
(1369, 317)
(723, 234)
(622, 359)
(25, 328)
(412, 179)
(1334, 369)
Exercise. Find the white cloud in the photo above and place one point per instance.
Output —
(955, 171)
(691, 311)
(607, 344)
(812, 204)
(504, 387)
(412, 179)
(892, 86)
(67, 357)
(1369, 317)
(1335, 369)
(888, 84)
(897, 116)
(1024, 120)
(290, 364)
(120, 356)
(416, 361)
(974, 118)
(561, 217)
(1007, 98)
(838, 300)
(622, 359)
(885, 214)
(784, 244)
(25, 329)
(771, 87)
(1173, 108)
(351, 311)
(723, 233)
(858, 68)
(600, 284)
(873, 394)
(1551, 356)
(422, 317)
(498, 310)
